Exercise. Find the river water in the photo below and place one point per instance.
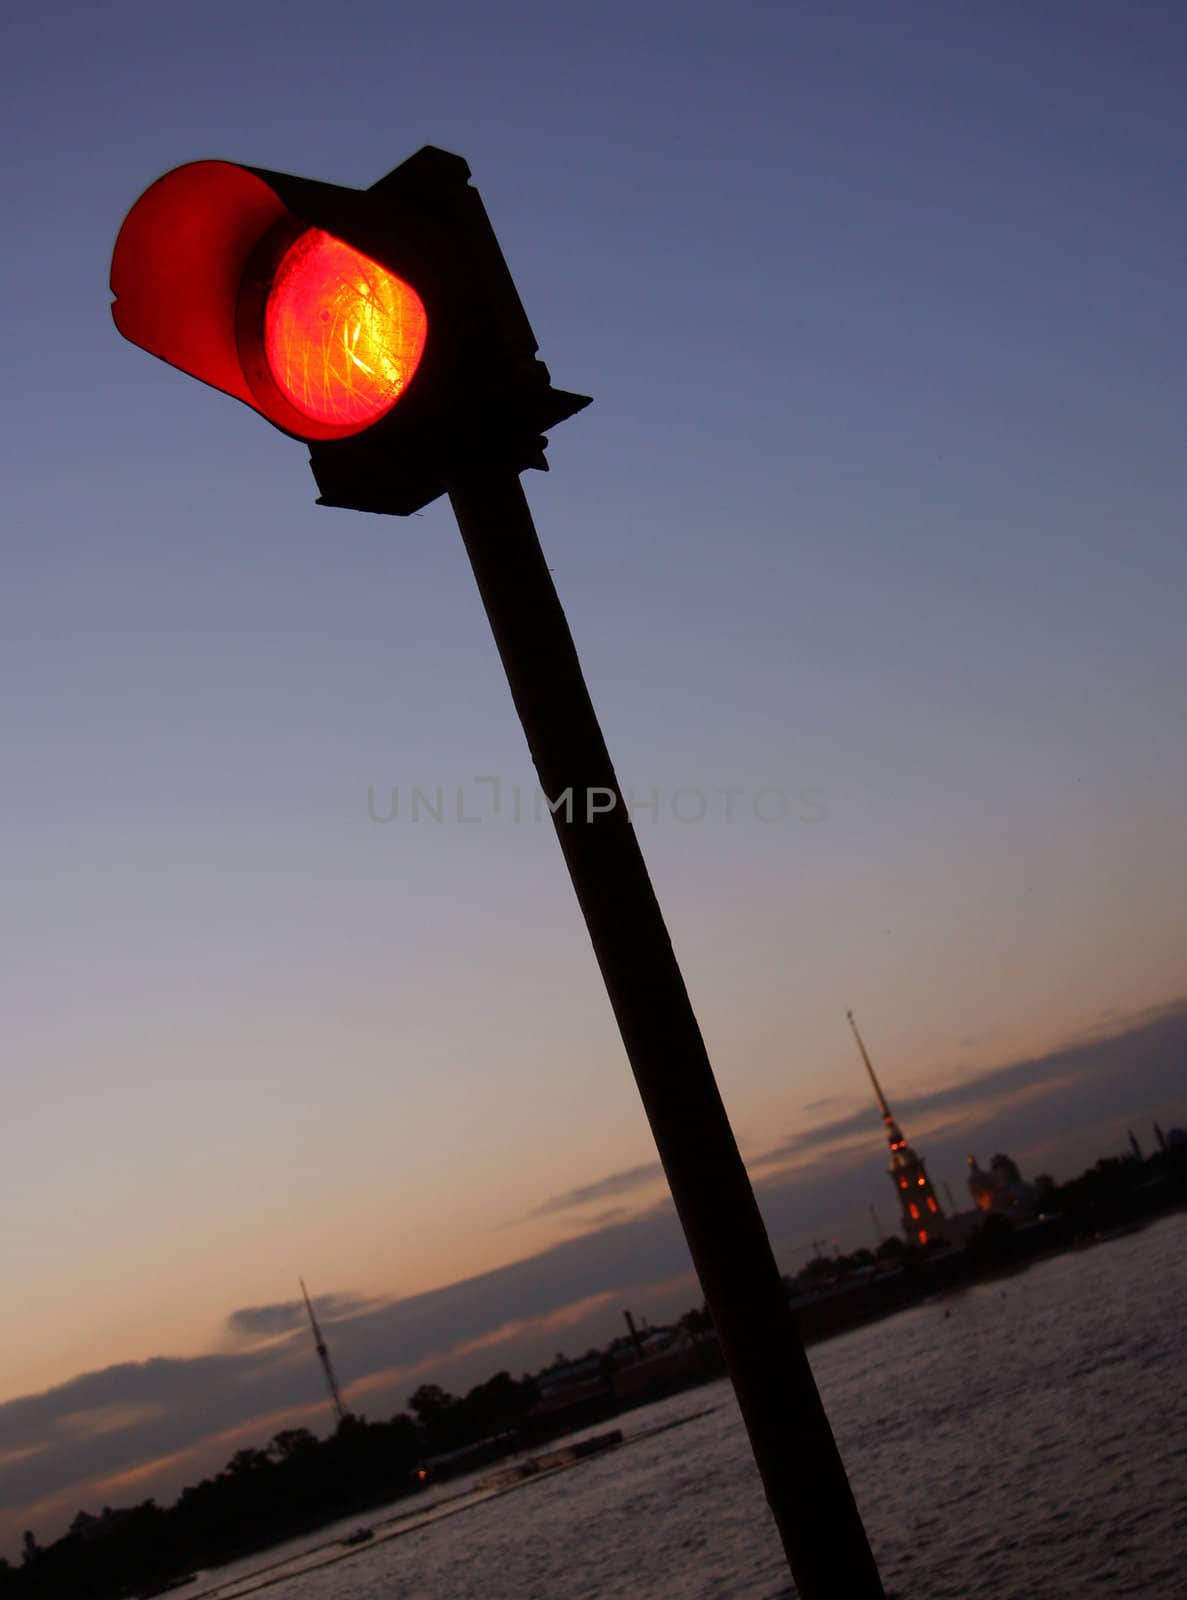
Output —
(1025, 1439)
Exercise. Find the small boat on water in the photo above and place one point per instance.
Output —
(359, 1536)
(566, 1456)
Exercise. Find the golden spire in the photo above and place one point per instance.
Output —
(886, 1116)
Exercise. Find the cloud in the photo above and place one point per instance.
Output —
(162, 1403)
(603, 1219)
(818, 1105)
(604, 1189)
(95, 1420)
(266, 1322)
(269, 1322)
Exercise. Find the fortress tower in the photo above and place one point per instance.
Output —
(922, 1218)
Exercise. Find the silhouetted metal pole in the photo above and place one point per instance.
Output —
(797, 1456)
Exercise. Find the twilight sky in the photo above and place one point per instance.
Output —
(872, 545)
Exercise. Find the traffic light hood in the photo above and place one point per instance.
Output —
(194, 271)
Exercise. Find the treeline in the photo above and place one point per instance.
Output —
(297, 1482)
(1122, 1189)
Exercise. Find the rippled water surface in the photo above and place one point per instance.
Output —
(1025, 1439)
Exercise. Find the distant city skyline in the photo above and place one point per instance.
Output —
(190, 1413)
(878, 509)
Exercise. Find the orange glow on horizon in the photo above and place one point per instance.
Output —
(343, 336)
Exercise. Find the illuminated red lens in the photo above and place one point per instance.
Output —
(342, 335)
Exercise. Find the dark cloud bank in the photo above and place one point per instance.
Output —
(115, 1420)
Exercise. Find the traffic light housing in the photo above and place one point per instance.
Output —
(380, 326)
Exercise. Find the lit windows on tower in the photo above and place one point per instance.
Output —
(907, 1170)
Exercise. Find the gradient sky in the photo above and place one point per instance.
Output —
(879, 507)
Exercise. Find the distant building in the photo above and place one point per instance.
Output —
(923, 1221)
(568, 1379)
(1002, 1189)
(647, 1359)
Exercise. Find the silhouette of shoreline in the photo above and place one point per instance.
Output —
(297, 1483)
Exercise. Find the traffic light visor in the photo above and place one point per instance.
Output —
(213, 273)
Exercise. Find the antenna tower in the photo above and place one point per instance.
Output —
(323, 1356)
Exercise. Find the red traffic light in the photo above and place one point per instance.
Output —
(343, 336)
(381, 326)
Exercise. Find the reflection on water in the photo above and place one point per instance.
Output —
(1025, 1439)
